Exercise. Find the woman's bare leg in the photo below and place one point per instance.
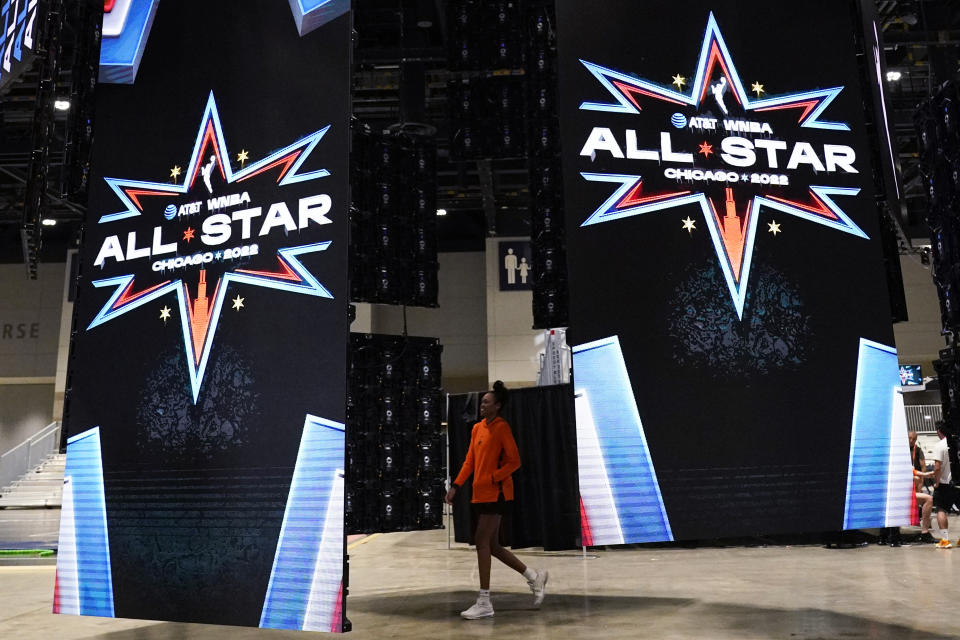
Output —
(488, 526)
(926, 507)
(505, 555)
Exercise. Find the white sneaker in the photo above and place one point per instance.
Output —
(482, 609)
(539, 586)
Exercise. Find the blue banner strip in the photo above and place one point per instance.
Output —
(84, 468)
(601, 377)
(320, 458)
(868, 472)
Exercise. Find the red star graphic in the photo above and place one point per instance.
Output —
(188, 234)
(706, 149)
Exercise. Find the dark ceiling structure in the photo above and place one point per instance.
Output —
(401, 75)
(922, 43)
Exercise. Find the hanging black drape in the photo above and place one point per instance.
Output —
(546, 506)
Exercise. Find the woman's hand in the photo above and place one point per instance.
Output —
(452, 492)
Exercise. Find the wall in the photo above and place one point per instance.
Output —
(919, 340)
(63, 348)
(24, 410)
(513, 347)
(363, 323)
(460, 322)
(29, 339)
(29, 321)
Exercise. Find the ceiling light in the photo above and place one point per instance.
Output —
(61, 105)
(894, 76)
(49, 222)
(441, 212)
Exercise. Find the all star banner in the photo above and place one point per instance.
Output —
(734, 361)
(205, 409)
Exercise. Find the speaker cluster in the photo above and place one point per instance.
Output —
(393, 220)
(937, 124)
(396, 465)
(550, 308)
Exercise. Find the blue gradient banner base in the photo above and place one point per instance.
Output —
(621, 501)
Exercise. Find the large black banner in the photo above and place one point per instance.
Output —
(206, 402)
(734, 362)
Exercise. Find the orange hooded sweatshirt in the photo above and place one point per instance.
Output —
(491, 458)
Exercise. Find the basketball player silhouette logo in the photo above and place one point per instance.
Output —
(207, 171)
(719, 90)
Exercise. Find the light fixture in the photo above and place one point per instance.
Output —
(425, 12)
(894, 76)
(49, 222)
(928, 417)
(61, 105)
(441, 212)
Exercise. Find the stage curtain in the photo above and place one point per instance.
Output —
(546, 507)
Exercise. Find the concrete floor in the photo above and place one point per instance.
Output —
(409, 585)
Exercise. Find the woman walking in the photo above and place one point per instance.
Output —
(491, 459)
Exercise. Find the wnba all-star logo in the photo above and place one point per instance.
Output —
(707, 142)
(207, 235)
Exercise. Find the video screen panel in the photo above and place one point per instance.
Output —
(910, 375)
(734, 363)
(206, 394)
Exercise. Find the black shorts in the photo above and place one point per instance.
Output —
(499, 508)
(945, 496)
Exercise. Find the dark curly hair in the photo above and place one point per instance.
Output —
(500, 393)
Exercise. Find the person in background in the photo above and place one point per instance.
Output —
(491, 460)
(944, 493)
(924, 500)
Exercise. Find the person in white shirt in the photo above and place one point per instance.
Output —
(945, 495)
